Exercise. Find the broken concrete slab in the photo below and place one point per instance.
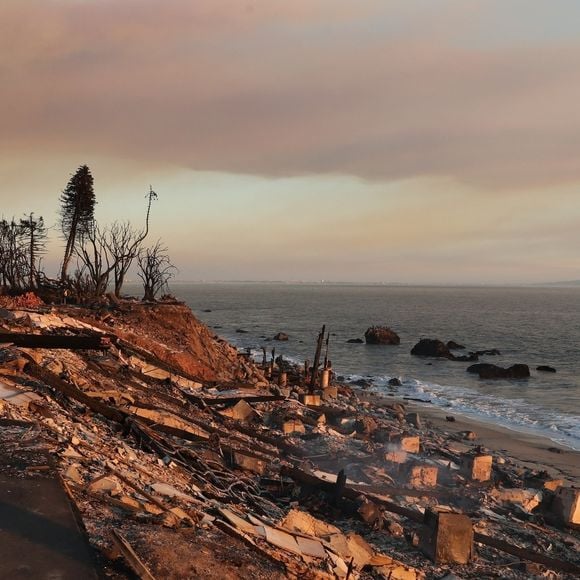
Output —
(241, 411)
(105, 485)
(282, 540)
(528, 499)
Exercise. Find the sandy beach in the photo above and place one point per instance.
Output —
(531, 451)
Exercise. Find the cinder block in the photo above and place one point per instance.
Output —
(477, 467)
(447, 538)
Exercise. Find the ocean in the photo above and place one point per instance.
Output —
(530, 325)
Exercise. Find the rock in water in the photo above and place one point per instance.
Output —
(355, 341)
(395, 382)
(452, 345)
(281, 336)
(431, 347)
(381, 335)
(546, 369)
(489, 371)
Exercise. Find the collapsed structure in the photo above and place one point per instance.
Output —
(183, 459)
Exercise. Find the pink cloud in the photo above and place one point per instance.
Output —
(288, 88)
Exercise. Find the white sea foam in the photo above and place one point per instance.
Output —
(515, 414)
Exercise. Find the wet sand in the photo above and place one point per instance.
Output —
(531, 451)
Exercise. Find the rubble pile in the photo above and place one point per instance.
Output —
(184, 461)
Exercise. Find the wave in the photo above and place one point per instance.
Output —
(514, 414)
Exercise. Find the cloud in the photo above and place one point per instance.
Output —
(293, 88)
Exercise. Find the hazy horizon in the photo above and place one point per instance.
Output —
(416, 142)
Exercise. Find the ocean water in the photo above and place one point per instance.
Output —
(534, 326)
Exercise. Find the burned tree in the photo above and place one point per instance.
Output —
(94, 260)
(124, 244)
(33, 233)
(76, 213)
(13, 259)
(155, 270)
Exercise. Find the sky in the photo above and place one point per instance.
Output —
(417, 141)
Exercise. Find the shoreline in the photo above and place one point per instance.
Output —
(528, 450)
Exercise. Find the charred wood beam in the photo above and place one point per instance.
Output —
(131, 557)
(413, 515)
(316, 364)
(224, 434)
(210, 401)
(55, 382)
(52, 341)
(526, 554)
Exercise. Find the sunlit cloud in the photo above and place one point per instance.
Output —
(307, 139)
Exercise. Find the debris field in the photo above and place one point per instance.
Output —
(181, 458)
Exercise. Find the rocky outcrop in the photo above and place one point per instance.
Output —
(489, 371)
(381, 335)
(433, 348)
(452, 345)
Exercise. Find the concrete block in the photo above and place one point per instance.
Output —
(407, 443)
(567, 505)
(447, 538)
(477, 467)
(329, 393)
(293, 426)
(423, 476)
(410, 444)
(396, 457)
(310, 400)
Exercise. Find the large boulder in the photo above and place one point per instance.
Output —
(381, 335)
(489, 371)
(431, 347)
